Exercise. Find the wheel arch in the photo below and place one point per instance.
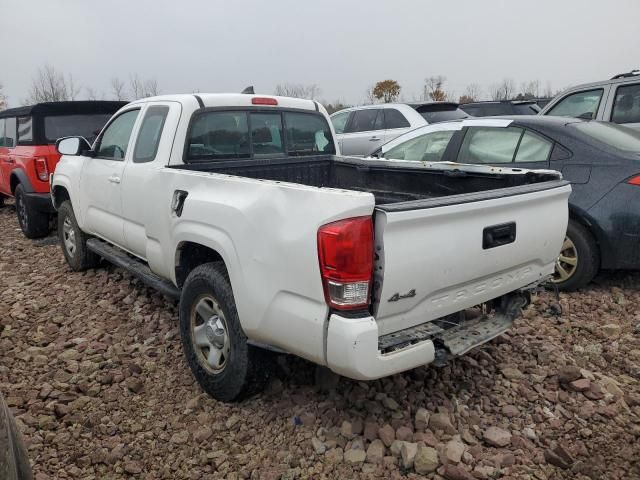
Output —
(190, 255)
(60, 194)
(19, 177)
(583, 219)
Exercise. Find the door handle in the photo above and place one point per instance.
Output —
(373, 139)
(114, 179)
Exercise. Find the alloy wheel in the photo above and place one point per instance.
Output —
(566, 263)
(209, 334)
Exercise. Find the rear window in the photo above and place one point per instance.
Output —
(622, 138)
(83, 125)
(441, 114)
(242, 134)
(25, 129)
(526, 109)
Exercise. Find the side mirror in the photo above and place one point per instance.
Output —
(72, 145)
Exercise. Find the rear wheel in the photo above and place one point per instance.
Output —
(34, 224)
(216, 348)
(74, 241)
(579, 259)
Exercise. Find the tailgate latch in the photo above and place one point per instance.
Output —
(498, 235)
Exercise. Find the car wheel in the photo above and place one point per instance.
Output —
(74, 241)
(1, 200)
(34, 224)
(579, 259)
(216, 348)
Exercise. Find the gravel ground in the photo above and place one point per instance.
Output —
(91, 365)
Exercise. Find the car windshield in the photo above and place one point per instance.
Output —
(83, 125)
(616, 136)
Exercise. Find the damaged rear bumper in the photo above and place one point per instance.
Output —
(355, 350)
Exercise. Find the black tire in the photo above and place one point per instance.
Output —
(247, 369)
(34, 224)
(1, 200)
(79, 258)
(587, 255)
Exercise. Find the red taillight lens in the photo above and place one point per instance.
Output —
(264, 101)
(42, 171)
(634, 180)
(345, 251)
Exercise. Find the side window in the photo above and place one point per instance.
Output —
(215, 135)
(394, 119)
(10, 131)
(429, 147)
(626, 106)
(1, 132)
(363, 120)
(150, 132)
(115, 139)
(533, 148)
(25, 134)
(489, 145)
(266, 133)
(580, 104)
(339, 121)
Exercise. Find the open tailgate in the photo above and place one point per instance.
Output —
(439, 256)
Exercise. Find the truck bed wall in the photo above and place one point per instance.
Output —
(388, 183)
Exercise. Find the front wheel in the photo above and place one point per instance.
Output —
(579, 259)
(33, 223)
(74, 241)
(216, 348)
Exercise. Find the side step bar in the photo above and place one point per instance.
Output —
(137, 268)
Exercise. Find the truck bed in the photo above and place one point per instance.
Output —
(389, 182)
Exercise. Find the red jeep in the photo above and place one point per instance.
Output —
(28, 154)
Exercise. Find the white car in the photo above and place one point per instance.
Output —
(361, 130)
(238, 206)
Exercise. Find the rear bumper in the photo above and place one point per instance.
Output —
(40, 201)
(355, 350)
(352, 350)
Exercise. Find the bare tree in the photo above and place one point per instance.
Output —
(530, 89)
(433, 90)
(548, 91)
(472, 93)
(118, 89)
(49, 85)
(370, 98)
(143, 88)
(3, 99)
(297, 90)
(93, 94)
(504, 90)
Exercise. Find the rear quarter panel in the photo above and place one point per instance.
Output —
(266, 232)
(25, 160)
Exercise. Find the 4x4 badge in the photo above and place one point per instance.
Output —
(396, 296)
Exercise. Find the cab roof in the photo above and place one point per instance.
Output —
(233, 100)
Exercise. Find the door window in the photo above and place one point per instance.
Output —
(489, 145)
(150, 132)
(363, 120)
(581, 104)
(533, 148)
(394, 119)
(626, 106)
(115, 139)
(339, 121)
(25, 132)
(429, 147)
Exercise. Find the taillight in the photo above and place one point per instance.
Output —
(264, 101)
(345, 251)
(42, 171)
(634, 180)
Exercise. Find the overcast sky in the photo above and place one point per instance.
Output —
(342, 46)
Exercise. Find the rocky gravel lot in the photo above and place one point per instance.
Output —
(92, 367)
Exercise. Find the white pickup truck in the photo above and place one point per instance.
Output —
(238, 205)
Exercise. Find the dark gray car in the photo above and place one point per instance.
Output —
(600, 159)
